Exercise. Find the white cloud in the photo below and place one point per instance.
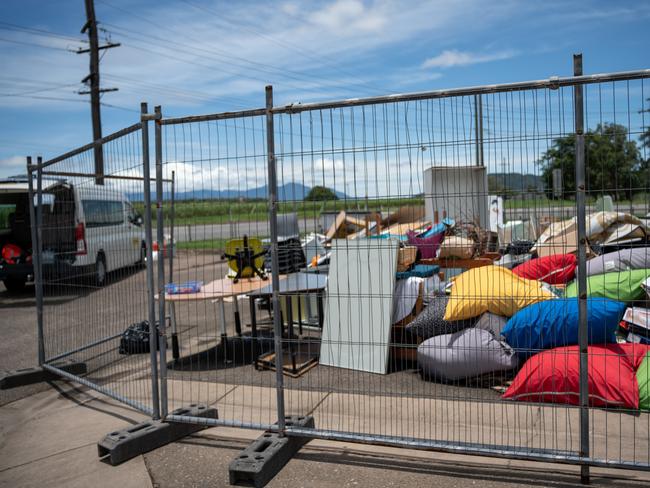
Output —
(453, 57)
(349, 15)
(13, 166)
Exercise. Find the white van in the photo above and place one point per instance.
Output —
(108, 234)
(88, 230)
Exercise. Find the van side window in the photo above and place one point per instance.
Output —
(130, 212)
(102, 213)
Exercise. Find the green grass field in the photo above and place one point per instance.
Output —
(196, 212)
(224, 211)
(216, 245)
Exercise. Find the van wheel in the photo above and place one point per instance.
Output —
(143, 256)
(14, 285)
(99, 275)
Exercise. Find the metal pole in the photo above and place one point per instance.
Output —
(275, 275)
(36, 253)
(478, 127)
(93, 79)
(583, 337)
(148, 235)
(171, 227)
(175, 348)
(160, 228)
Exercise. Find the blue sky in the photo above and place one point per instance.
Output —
(202, 56)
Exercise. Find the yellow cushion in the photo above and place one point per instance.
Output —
(491, 289)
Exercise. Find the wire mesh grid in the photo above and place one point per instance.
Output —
(440, 359)
(93, 259)
(426, 254)
(221, 209)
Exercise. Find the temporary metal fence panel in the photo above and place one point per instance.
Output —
(373, 356)
(483, 157)
(91, 239)
(221, 194)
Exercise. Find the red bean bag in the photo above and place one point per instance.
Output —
(553, 376)
(557, 269)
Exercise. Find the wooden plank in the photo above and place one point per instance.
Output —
(404, 215)
(338, 221)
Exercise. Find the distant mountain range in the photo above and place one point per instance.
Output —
(286, 192)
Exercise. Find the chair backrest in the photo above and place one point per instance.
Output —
(288, 226)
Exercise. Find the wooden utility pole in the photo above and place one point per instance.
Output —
(92, 80)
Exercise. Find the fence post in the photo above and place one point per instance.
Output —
(160, 237)
(35, 217)
(148, 235)
(583, 333)
(275, 276)
(478, 127)
(171, 226)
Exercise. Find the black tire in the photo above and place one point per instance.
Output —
(143, 257)
(15, 285)
(99, 272)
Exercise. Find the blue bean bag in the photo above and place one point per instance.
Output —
(554, 323)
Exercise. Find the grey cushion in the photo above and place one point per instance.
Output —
(465, 354)
(632, 258)
(431, 320)
(492, 323)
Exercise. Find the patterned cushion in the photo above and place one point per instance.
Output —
(431, 320)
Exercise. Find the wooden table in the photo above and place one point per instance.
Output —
(215, 291)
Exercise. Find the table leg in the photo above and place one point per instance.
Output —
(321, 313)
(237, 319)
(289, 334)
(300, 314)
(224, 335)
(175, 349)
(253, 311)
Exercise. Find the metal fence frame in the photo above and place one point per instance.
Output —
(159, 408)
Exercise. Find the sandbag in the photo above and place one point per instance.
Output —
(554, 323)
(624, 259)
(553, 376)
(556, 269)
(624, 286)
(465, 354)
(492, 323)
(457, 247)
(643, 379)
(492, 289)
(430, 322)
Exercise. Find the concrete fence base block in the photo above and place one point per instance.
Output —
(122, 445)
(30, 376)
(265, 457)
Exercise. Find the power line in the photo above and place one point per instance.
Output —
(284, 72)
(41, 32)
(318, 57)
(26, 43)
(54, 88)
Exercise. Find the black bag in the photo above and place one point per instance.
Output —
(135, 339)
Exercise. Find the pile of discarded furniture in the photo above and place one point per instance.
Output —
(461, 304)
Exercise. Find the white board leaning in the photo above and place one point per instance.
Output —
(358, 311)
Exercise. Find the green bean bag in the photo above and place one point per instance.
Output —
(624, 286)
(643, 378)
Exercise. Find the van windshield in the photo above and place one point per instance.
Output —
(7, 211)
(102, 213)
